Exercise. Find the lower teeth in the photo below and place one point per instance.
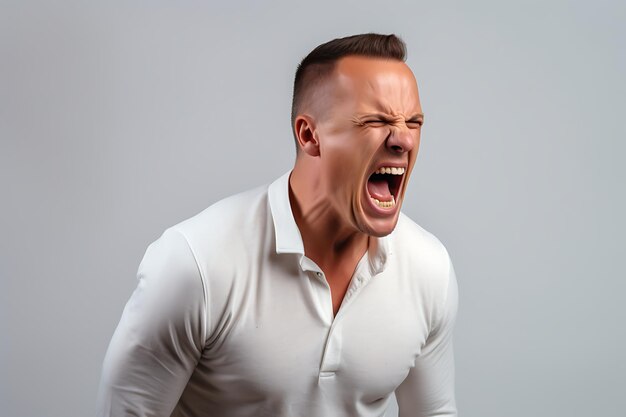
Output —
(384, 204)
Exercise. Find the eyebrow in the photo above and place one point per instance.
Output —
(417, 116)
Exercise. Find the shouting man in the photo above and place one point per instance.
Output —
(313, 295)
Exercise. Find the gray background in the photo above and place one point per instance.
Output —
(118, 120)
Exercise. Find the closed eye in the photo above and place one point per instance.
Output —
(414, 124)
(375, 122)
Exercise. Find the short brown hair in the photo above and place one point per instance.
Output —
(320, 62)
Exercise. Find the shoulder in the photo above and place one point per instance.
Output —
(227, 221)
(223, 236)
(218, 229)
(169, 288)
(196, 256)
(413, 243)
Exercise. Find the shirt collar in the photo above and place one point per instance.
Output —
(289, 239)
(379, 250)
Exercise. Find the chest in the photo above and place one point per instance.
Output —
(283, 338)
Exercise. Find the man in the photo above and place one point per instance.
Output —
(313, 296)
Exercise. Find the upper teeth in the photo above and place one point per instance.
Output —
(390, 170)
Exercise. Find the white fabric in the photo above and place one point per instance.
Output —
(230, 318)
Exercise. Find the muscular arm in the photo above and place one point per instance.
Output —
(428, 390)
(160, 336)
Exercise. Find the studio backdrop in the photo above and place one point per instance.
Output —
(120, 119)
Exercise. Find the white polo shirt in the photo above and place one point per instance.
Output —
(231, 319)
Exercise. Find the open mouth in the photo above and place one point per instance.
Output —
(383, 186)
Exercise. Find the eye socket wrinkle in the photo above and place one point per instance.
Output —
(380, 119)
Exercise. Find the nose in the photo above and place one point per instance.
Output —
(401, 139)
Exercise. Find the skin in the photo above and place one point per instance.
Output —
(367, 115)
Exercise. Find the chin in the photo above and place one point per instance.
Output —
(378, 227)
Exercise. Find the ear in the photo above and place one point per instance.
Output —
(304, 126)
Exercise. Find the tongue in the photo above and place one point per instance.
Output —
(379, 189)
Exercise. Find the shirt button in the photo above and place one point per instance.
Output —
(319, 274)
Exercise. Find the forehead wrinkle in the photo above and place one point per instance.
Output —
(397, 104)
(372, 94)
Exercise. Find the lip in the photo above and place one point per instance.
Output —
(398, 199)
(379, 210)
(390, 165)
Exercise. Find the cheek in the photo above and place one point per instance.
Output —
(350, 155)
(347, 156)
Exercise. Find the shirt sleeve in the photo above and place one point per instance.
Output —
(428, 390)
(160, 336)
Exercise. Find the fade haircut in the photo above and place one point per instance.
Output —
(319, 64)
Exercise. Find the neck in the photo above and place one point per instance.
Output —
(327, 239)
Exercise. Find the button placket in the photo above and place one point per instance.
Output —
(333, 348)
(332, 353)
(331, 357)
(327, 298)
(324, 299)
(358, 281)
